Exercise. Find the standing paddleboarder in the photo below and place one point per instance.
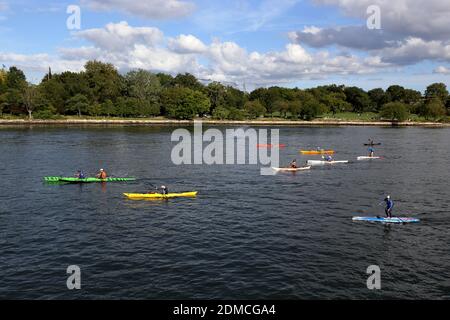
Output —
(389, 206)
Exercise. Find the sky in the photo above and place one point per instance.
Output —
(245, 43)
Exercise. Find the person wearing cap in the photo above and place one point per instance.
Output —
(102, 174)
(293, 164)
(164, 190)
(80, 175)
(389, 206)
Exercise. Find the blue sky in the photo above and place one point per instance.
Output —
(289, 43)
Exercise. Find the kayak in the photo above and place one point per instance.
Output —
(317, 151)
(86, 180)
(271, 146)
(367, 158)
(141, 196)
(291, 169)
(321, 163)
(387, 220)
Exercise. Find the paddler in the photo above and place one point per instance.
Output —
(102, 174)
(80, 175)
(164, 190)
(371, 152)
(293, 164)
(389, 206)
(327, 157)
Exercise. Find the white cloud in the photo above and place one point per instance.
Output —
(150, 9)
(410, 18)
(187, 44)
(128, 47)
(414, 50)
(442, 70)
(119, 36)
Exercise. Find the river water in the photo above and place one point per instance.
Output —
(246, 236)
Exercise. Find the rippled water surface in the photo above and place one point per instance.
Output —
(246, 236)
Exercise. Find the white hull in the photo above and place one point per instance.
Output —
(291, 169)
(368, 158)
(322, 163)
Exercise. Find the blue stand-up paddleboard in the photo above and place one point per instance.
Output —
(387, 220)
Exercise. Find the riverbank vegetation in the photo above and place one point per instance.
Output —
(101, 91)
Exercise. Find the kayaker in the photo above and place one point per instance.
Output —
(164, 190)
(371, 143)
(80, 175)
(371, 152)
(293, 164)
(389, 206)
(102, 174)
(327, 157)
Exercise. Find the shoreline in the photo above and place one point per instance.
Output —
(144, 122)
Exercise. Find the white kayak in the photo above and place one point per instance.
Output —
(367, 158)
(321, 162)
(291, 169)
(387, 220)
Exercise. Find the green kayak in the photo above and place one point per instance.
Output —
(86, 180)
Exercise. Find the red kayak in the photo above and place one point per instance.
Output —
(269, 146)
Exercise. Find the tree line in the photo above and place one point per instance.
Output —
(100, 90)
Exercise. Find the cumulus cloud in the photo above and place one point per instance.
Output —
(40, 62)
(117, 36)
(442, 70)
(411, 31)
(410, 18)
(355, 37)
(187, 44)
(130, 47)
(414, 50)
(150, 9)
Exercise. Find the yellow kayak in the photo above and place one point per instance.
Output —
(317, 151)
(141, 196)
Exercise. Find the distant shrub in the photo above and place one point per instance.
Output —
(394, 111)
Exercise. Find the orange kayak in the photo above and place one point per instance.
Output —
(317, 151)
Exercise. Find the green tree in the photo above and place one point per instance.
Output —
(103, 80)
(221, 113)
(187, 80)
(166, 80)
(396, 93)
(358, 98)
(184, 103)
(16, 79)
(216, 93)
(379, 98)
(30, 99)
(79, 104)
(255, 109)
(108, 108)
(235, 98)
(432, 109)
(145, 87)
(395, 111)
(437, 90)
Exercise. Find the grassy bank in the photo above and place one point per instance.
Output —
(366, 119)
